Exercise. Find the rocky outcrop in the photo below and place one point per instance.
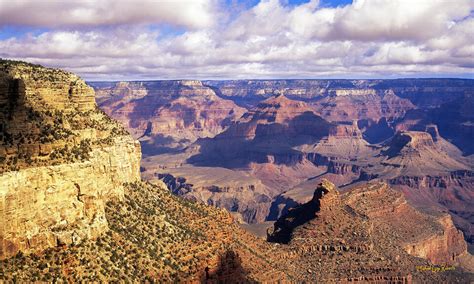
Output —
(443, 248)
(249, 199)
(21, 85)
(167, 115)
(334, 230)
(432, 237)
(325, 197)
(47, 206)
(65, 160)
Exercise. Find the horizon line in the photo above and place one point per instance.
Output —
(286, 79)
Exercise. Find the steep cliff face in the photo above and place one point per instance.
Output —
(432, 237)
(360, 227)
(413, 133)
(63, 160)
(446, 247)
(167, 115)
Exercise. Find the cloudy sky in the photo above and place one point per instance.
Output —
(218, 39)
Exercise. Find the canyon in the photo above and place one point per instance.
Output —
(74, 207)
(277, 139)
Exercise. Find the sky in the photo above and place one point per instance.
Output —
(246, 39)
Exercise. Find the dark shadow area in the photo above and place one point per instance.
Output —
(274, 141)
(376, 132)
(275, 210)
(284, 226)
(396, 144)
(229, 270)
(177, 185)
(161, 144)
(148, 130)
(455, 121)
(13, 96)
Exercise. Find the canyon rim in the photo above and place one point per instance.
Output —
(209, 141)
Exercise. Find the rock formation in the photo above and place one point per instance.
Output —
(296, 132)
(167, 115)
(75, 211)
(332, 235)
(431, 237)
(62, 160)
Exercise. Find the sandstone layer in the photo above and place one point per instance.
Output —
(328, 228)
(296, 132)
(63, 160)
(167, 115)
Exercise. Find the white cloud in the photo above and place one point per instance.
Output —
(381, 20)
(372, 38)
(80, 13)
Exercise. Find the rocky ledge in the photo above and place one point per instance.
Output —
(371, 225)
(62, 159)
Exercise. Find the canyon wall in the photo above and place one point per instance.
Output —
(414, 134)
(167, 115)
(63, 159)
(421, 92)
(46, 206)
(429, 236)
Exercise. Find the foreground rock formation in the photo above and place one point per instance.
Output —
(427, 236)
(343, 236)
(62, 160)
(156, 236)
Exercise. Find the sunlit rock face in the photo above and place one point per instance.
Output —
(62, 159)
(167, 115)
(369, 222)
(412, 133)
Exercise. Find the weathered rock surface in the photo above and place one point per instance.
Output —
(299, 131)
(333, 233)
(53, 187)
(432, 237)
(167, 115)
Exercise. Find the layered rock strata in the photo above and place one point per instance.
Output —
(432, 237)
(63, 159)
(168, 115)
(333, 236)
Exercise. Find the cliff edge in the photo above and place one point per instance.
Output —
(61, 159)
